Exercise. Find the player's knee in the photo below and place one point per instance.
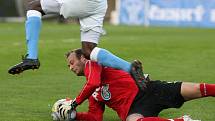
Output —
(197, 91)
(34, 5)
(190, 91)
(134, 117)
(197, 88)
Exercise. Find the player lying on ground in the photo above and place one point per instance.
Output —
(117, 90)
(91, 15)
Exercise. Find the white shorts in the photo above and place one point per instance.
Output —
(51, 6)
(89, 12)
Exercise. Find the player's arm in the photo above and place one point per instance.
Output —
(93, 76)
(95, 107)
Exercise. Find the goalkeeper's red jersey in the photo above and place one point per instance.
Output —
(109, 86)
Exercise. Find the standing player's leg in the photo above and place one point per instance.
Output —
(32, 25)
(91, 29)
(106, 58)
(193, 90)
(36, 9)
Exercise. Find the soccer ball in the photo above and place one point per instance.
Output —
(60, 110)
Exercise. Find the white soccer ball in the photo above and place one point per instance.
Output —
(60, 110)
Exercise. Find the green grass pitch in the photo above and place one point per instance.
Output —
(167, 54)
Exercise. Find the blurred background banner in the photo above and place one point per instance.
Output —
(8, 8)
(132, 12)
(12, 10)
(189, 13)
(195, 13)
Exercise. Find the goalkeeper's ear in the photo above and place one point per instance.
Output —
(83, 59)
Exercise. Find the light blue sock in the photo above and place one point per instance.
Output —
(106, 58)
(33, 26)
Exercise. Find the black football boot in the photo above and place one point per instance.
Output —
(26, 64)
(138, 75)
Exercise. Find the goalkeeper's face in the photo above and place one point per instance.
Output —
(76, 64)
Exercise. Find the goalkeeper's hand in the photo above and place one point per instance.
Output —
(67, 111)
(64, 109)
(70, 115)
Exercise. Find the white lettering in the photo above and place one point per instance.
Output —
(185, 15)
(198, 13)
(95, 94)
(212, 16)
(133, 8)
(176, 14)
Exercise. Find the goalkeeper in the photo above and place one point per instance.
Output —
(117, 90)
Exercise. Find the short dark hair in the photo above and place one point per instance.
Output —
(78, 52)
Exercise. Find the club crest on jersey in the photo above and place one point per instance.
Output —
(105, 93)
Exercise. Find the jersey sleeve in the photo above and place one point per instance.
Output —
(93, 76)
(94, 108)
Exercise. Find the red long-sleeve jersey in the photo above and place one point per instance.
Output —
(109, 86)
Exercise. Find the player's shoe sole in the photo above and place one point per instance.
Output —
(138, 75)
(26, 64)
